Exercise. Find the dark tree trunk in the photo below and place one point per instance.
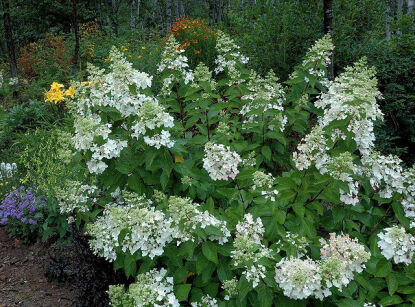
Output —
(399, 12)
(221, 8)
(98, 8)
(211, 12)
(114, 16)
(388, 18)
(76, 30)
(328, 28)
(181, 8)
(160, 15)
(8, 29)
(176, 9)
(168, 13)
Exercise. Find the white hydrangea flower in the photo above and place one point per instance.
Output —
(264, 94)
(230, 287)
(248, 248)
(206, 301)
(153, 288)
(120, 90)
(353, 96)
(397, 244)
(186, 213)
(265, 182)
(174, 65)
(346, 249)
(152, 116)
(298, 278)
(321, 51)
(220, 162)
(313, 148)
(76, 196)
(159, 139)
(228, 56)
(148, 230)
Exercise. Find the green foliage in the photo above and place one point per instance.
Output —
(212, 112)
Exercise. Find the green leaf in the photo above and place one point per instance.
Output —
(347, 302)
(165, 176)
(201, 263)
(266, 151)
(392, 283)
(182, 291)
(130, 265)
(264, 295)
(299, 209)
(210, 251)
(383, 268)
(390, 300)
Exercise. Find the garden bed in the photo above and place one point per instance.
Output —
(22, 276)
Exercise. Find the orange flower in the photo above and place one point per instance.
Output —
(197, 51)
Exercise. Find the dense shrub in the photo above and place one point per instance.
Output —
(287, 202)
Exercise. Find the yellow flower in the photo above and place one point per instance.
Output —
(139, 56)
(56, 86)
(55, 93)
(85, 83)
(70, 92)
(143, 48)
(107, 59)
(123, 48)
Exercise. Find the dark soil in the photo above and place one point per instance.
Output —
(22, 276)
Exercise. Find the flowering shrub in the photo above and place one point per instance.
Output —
(21, 211)
(227, 188)
(196, 38)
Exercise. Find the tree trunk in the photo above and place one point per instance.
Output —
(328, 28)
(229, 5)
(8, 29)
(399, 11)
(411, 6)
(176, 9)
(132, 15)
(76, 30)
(211, 12)
(219, 11)
(137, 16)
(168, 13)
(99, 14)
(114, 16)
(181, 8)
(388, 20)
(160, 16)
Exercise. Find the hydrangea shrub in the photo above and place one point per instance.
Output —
(227, 188)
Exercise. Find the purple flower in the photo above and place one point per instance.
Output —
(21, 204)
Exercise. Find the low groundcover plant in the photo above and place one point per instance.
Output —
(21, 211)
(227, 188)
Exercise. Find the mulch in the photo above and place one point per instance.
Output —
(22, 276)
